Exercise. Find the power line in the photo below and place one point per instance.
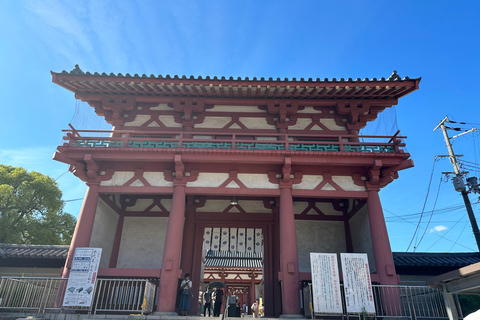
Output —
(424, 204)
(431, 215)
(434, 233)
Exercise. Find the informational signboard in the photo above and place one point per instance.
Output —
(357, 283)
(81, 283)
(325, 283)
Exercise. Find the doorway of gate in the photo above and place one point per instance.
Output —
(237, 245)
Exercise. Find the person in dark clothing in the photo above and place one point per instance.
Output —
(207, 297)
(218, 302)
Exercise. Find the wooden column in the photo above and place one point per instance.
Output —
(171, 271)
(289, 275)
(83, 229)
(382, 252)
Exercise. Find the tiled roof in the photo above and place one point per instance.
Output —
(227, 259)
(33, 251)
(426, 259)
(86, 84)
(78, 72)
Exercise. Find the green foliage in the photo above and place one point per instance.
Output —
(469, 303)
(31, 209)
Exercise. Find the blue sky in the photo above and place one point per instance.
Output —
(435, 40)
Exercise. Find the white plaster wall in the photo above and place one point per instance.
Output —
(103, 232)
(157, 179)
(119, 178)
(309, 182)
(318, 236)
(331, 124)
(214, 122)
(361, 237)
(309, 109)
(142, 243)
(227, 108)
(347, 184)
(138, 121)
(256, 123)
(161, 106)
(253, 206)
(259, 181)
(214, 206)
(209, 180)
(301, 124)
(169, 121)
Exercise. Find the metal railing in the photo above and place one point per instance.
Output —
(31, 293)
(122, 295)
(233, 141)
(37, 294)
(402, 302)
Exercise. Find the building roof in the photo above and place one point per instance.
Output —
(425, 263)
(27, 255)
(82, 82)
(228, 259)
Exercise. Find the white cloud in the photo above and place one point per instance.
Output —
(438, 228)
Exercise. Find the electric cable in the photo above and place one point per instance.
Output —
(434, 233)
(431, 215)
(459, 235)
(443, 236)
(424, 204)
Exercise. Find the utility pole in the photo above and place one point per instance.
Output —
(458, 182)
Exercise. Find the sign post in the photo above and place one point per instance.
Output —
(83, 275)
(357, 283)
(327, 298)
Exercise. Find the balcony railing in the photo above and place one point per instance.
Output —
(234, 141)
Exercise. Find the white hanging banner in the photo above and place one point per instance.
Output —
(83, 274)
(224, 239)
(258, 241)
(357, 283)
(327, 297)
(216, 239)
(207, 239)
(233, 239)
(241, 240)
(250, 247)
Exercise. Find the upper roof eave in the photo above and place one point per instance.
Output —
(85, 82)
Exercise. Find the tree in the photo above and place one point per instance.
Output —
(31, 209)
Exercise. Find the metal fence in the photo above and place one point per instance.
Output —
(43, 294)
(30, 293)
(121, 295)
(402, 302)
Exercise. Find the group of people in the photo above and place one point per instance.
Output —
(209, 296)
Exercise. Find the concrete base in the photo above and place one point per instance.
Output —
(292, 316)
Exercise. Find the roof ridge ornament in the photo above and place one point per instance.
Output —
(394, 76)
(77, 71)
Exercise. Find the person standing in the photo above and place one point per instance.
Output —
(255, 308)
(207, 297)
(185, 294)
(218, 302)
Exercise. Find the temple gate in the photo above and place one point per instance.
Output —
(185, 155)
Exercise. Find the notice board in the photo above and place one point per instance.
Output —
(326, 293)
(83, 274)
(357, 283)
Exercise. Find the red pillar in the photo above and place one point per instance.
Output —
(290, 278)
(83, 229)
(381, 245)
(252, 290)
(171, 271)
